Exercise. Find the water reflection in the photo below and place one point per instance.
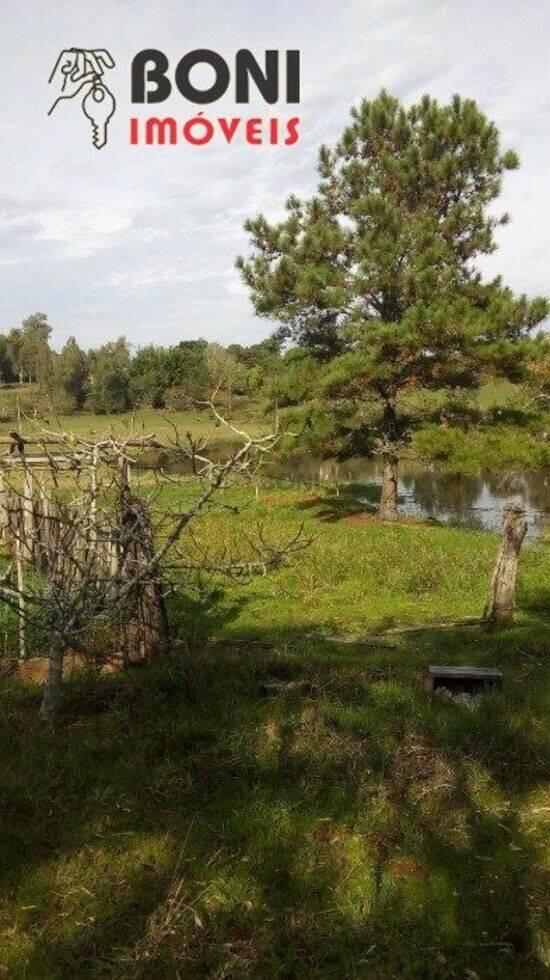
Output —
(430, 493)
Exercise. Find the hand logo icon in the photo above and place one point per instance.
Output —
(82, 70)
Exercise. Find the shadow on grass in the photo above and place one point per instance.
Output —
(536, 600)
(345, 826)
(347, 500)
(194, 620)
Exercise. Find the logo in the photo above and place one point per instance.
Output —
(273, 78)
(79, 71)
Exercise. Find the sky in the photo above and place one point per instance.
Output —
(141, 241)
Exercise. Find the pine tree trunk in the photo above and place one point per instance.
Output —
(387, 510)
(53, 688)
(500, 604)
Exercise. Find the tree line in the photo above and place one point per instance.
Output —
(114, 378)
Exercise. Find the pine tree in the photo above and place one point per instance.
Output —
(377, 274)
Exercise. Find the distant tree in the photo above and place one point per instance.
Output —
(187, 370)
(14, 343)
(149, 376)
(263, 361)
(69, 378)
(33, 350)
(7, 373)
(376, 273)
(37, 324)
(257, 354)
(42, 363)
(225, 371)
(110, 378)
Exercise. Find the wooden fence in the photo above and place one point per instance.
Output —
(56, 539)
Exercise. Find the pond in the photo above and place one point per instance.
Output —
(429, 492)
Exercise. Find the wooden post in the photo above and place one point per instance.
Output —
(3, 505)
(44, 529)
(499, 610)
(93, 501)
(125, 476)
(20, 597)
(113, 555)
(27, 524)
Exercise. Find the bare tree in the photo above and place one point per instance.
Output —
(84, 550)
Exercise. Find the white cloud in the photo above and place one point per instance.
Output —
(160, 275)
(82, 231)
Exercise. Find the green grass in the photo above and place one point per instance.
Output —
(183, 821)
(245, 411)
(356, 575)
(495, 392)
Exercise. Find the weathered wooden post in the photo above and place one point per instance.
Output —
(20, 598)
(499, 610)
(3, 505)
(93, 500)
(43, 526)
(28, 523)
(125, 477)
(112, 546)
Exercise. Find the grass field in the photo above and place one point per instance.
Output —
(355, 575)
(505, 445)
(143, 421)
(289, 806)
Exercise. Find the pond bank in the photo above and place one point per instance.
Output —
(427, 492)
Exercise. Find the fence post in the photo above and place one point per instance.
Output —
(27, 523)
(93, 500)
(20, 598)
(3, 505)
(499, 610)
